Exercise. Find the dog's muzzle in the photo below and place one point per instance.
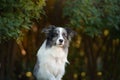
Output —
(60, 42)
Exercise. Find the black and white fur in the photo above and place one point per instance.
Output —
(52, 55)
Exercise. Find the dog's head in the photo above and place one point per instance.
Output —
(58, 36)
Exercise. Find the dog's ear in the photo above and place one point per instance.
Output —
(70, 33)
(48, 29)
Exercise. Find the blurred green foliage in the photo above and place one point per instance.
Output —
(16, 15)
(98, 26)
(92, 16)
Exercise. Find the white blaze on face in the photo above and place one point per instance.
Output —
(60, 40)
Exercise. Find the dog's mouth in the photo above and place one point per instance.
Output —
(60, 44)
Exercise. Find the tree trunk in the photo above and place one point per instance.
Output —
(91, 59)
(7, 55)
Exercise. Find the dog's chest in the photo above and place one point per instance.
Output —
(57, 55)
(56, 59)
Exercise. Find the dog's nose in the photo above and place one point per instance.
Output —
(61, 40)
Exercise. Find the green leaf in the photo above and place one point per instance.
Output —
(17, 14)
(95, 13)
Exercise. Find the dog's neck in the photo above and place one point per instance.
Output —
(54, 51)
(57, 51)
(59, 54)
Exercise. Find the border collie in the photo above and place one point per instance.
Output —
(52, 55)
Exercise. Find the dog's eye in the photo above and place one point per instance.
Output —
(55, 34)
(64, 34)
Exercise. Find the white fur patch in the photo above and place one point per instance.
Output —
(51, 62)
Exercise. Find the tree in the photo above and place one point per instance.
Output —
(15, 16)
(93, 19)
(92, 16)
(18, 15)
